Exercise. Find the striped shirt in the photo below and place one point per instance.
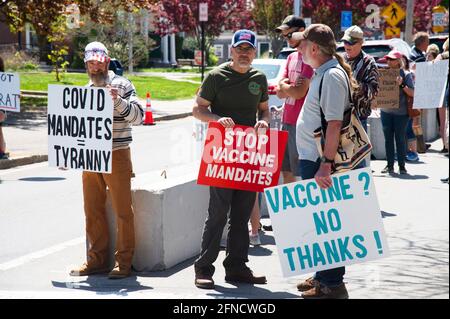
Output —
(127, 110)
(365, 72)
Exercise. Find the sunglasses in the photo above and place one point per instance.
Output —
(240, 49)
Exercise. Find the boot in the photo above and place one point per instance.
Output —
(421, 146)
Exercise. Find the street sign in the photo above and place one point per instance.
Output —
(392, 32)
(203, 12)
(346, 20)
(198, 57)
(439, 23)
(393, 14)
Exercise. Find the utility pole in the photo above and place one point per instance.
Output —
(409, 21)
(298, 8)
(203, 17)
(130, 42)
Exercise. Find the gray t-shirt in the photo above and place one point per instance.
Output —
(403, 109)
(334, 101)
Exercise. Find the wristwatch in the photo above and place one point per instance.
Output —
(402, 86)
(325, 160)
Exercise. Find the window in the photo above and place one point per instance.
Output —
(218, 50)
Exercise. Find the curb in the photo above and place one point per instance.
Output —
(172, 117)
(10, 163)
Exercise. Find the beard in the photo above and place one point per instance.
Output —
(98, 77)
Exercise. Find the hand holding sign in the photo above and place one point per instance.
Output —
(114, 92)
(227, 122)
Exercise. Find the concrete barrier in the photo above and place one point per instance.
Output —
(376, 135)
(169, 218)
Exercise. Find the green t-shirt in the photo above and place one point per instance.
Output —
(233, 94)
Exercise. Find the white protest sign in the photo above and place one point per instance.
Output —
(80, 128)
(431, 81)
(317, 229)
(9, 92)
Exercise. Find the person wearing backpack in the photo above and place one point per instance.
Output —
(329, 92)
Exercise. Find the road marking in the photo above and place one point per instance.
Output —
(41, 253)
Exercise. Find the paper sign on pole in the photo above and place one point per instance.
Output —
(80, 128)
(239, 158)
(318, 229)
(388, 96)
(9, 92)
(203, 12)
(431, 81)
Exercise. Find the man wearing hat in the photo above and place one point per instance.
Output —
(294, 87)
(329, 92)
(365, 72)
(127, 112)
(232, 93)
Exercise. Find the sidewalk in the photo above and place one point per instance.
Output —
(26, 132)
(416, 220)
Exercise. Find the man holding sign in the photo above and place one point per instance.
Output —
(329, 93)
(231, 94)
(127, 111)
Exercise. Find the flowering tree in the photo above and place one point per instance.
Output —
(329, 12)
(174, 16)
(268, 14)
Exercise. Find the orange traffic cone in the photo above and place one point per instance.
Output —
(148, 120)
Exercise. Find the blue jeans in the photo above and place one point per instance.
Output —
(394, 127)
(410, 136)
(331, 277)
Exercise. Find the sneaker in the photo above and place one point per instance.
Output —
(387, 169)
(267, 227)
(444, 180)
(88, 269)
(244, 275)
(4, 156)
(403, 170)
(204, 281)
(255, 240)
(412, 157)
(119, 272)
(324, 292)
(443, 150)
(308, 284)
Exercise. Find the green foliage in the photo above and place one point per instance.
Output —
(59, 49)
(212, 59)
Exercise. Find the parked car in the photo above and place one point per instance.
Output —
(116, 67)
(379, 48)
(438, 40)
(273, 69)
(285, 52)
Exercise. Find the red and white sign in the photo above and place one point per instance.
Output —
(198, 57)
(203, 12)
(239, 158)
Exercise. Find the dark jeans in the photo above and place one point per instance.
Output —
(331, 277)
(364, 124)
(394, 127)
(239, 203)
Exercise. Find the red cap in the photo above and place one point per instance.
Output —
(394, 54)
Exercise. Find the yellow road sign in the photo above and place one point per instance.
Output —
(392, 32)
(393, 14)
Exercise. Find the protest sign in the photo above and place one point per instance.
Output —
(240, 158)
(80, 128)
(9, 92)
(388, 96)
(317, 229)
(431, 81)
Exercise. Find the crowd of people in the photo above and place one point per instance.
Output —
(319, 87)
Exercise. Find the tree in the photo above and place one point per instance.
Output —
(174, 16)
(329, 12)
(268, 14)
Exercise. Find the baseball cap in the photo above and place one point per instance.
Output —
(353, 34)
(394, 54)
(291, 21)
(96, 51)
(317, 33)
(244, 36)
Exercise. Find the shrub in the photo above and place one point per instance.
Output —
(20, 61)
